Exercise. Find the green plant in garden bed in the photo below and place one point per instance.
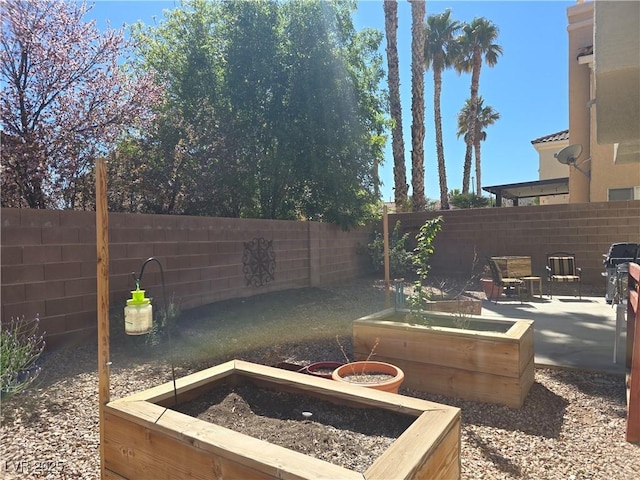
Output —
(400, 260)
(21, 345)
(421, 255)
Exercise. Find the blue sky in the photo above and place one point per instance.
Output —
(528, 86)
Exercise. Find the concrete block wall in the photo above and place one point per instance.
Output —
(342, 254)
(586, 229)
(49, 260)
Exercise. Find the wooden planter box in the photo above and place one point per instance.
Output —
(145, 439)
(465, 305)
(473, 363)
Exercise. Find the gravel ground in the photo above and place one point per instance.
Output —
(572, 425)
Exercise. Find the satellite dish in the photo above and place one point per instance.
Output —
(569, 155)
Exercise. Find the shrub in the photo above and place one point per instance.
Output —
(400, 260)
(468, 200)
(20, 347)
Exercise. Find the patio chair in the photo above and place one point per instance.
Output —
(503, 284)
(561, 268)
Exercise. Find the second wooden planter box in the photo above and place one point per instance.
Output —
(489, 360)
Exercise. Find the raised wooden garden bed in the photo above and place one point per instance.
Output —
(464, 305)
(490, 360)
(146, 439)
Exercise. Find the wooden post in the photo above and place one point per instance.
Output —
(102, 245)
(385, 234)
(633, 350)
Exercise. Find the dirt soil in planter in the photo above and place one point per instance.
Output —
(349, 437)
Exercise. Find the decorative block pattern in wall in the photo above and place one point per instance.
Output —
(259, 262)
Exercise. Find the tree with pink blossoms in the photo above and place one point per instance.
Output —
(67, 97)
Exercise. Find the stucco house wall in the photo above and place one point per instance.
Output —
(548, 166)
(597, 171)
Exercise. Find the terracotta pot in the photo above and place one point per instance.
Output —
(491, 290)
(319, 369)
(392, 385)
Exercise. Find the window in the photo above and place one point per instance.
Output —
(630, 193)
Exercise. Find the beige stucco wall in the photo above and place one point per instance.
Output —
(617, 36)
(580, 30)
(597, 158)
(605, 172)
(550, 168)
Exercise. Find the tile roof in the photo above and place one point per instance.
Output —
(553, 137)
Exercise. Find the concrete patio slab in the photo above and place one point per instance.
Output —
(569, 332)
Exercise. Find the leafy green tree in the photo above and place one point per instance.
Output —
(277, 109)
(477, 44)
(156, 173)
(439, 54)
(191, 147)
(254, 89)
(335, 126)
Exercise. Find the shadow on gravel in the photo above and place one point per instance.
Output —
(541, 415)
(493, 455)
(30, 410)
(596, 384)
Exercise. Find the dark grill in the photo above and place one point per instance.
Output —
(616, 263)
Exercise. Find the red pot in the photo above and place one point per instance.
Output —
(319, 369)
(491, 290)
(392, 385)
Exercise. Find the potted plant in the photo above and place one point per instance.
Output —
(371, 374)
(491, 290)
(367, 373)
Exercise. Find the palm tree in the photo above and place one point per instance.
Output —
(476, 44)
(418, 10)
(439, 51)
(464, 123)
(397, 141)
(485, 116)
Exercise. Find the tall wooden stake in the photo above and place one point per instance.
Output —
(633, 345)
(385, 234)
(102, 244)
